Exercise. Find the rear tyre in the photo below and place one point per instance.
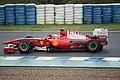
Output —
(101, 47)
(94, 46)
(25, 46)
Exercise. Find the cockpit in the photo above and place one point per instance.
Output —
(55, 36)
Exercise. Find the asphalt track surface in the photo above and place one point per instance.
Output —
(111, 50)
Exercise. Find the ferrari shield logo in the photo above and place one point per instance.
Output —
(41, 42)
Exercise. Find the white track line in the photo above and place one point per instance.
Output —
(11, 58)
(60, 58)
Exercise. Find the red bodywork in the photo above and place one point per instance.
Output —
(57, 42)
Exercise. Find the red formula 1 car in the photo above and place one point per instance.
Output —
(73, 40)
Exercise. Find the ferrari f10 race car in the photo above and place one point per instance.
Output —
(73, 40)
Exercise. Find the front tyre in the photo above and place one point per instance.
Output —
(94, 46)
(24, 46)
(101, 47)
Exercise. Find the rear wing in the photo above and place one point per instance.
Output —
(100, 32)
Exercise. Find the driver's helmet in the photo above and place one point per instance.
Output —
(55, 35)
(62, 29)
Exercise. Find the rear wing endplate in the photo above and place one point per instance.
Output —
(100, 31)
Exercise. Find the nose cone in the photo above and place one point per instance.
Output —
(15, 41)
(6, 42)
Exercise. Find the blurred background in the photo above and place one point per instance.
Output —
(58, 2)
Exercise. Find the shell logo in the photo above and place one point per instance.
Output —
(55, 43)
(41, 42)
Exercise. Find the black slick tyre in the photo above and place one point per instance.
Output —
(30, 37)
(101, 47)
(93, 46)
(24, 46)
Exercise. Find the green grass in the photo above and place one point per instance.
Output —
(79, 27)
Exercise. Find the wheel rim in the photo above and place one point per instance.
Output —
(23, 46)
(93, 46)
